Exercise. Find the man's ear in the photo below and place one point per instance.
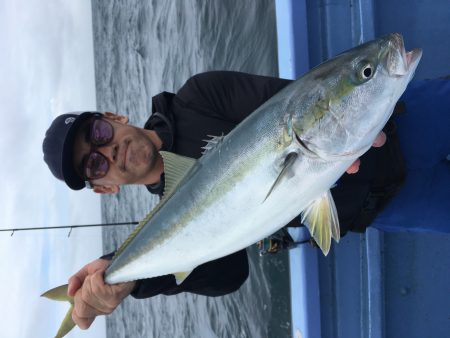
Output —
(116, 117)
(106, 189)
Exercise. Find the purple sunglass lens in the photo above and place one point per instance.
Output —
(101, 132)
(96, 166)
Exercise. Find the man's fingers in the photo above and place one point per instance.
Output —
(99, 295)
(108, 297)
(380, 140)
(83, 314)
(103, 294)
(82, 323)
(85, 323)
(76, 281)
(83, 309)
(92, 297)
(354, 167)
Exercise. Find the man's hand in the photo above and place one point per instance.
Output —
(379, 141)
(92, 297)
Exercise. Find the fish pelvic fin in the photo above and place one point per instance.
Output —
(60, 294)
(288, 162)
(181, 276)
(321, 218)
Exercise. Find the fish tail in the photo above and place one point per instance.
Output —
(60, 294)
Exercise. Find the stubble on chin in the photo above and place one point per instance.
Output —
(148, 156)
(144, 157)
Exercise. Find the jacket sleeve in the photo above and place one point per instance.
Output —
(228, 95)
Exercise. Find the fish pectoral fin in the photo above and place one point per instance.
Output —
(181, 276)
(321, 218)
(288, 162)
(60, 294)
(176, 168)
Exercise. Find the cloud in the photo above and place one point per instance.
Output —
(47, 67)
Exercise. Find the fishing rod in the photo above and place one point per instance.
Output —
(71, 227)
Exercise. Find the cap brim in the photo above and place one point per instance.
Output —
(70, 175)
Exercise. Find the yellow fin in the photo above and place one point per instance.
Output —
(181, 276)
(60, 294)
(320, 217)
(66, 325)
(176, 168)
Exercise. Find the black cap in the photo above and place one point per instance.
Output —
(58, 147)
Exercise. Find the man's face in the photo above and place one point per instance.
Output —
(131, 154)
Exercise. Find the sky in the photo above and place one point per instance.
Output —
(46, 68)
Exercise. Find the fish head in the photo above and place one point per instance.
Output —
(353, 96)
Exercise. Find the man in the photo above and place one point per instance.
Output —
(104, 152)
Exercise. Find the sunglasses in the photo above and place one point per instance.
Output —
(95, 165)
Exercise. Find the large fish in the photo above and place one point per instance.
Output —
(279, 162)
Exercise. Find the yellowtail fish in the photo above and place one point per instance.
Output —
(278, 163)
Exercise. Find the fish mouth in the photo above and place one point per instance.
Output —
(399, 62)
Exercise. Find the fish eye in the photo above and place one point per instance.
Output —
(366, 71)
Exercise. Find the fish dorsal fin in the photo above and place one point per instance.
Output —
(288, 162)
(212, 142)
(176, 168)
(60, 294)
(321, 218)
(181, 276)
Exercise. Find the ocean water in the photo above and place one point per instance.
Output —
(145, 47)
